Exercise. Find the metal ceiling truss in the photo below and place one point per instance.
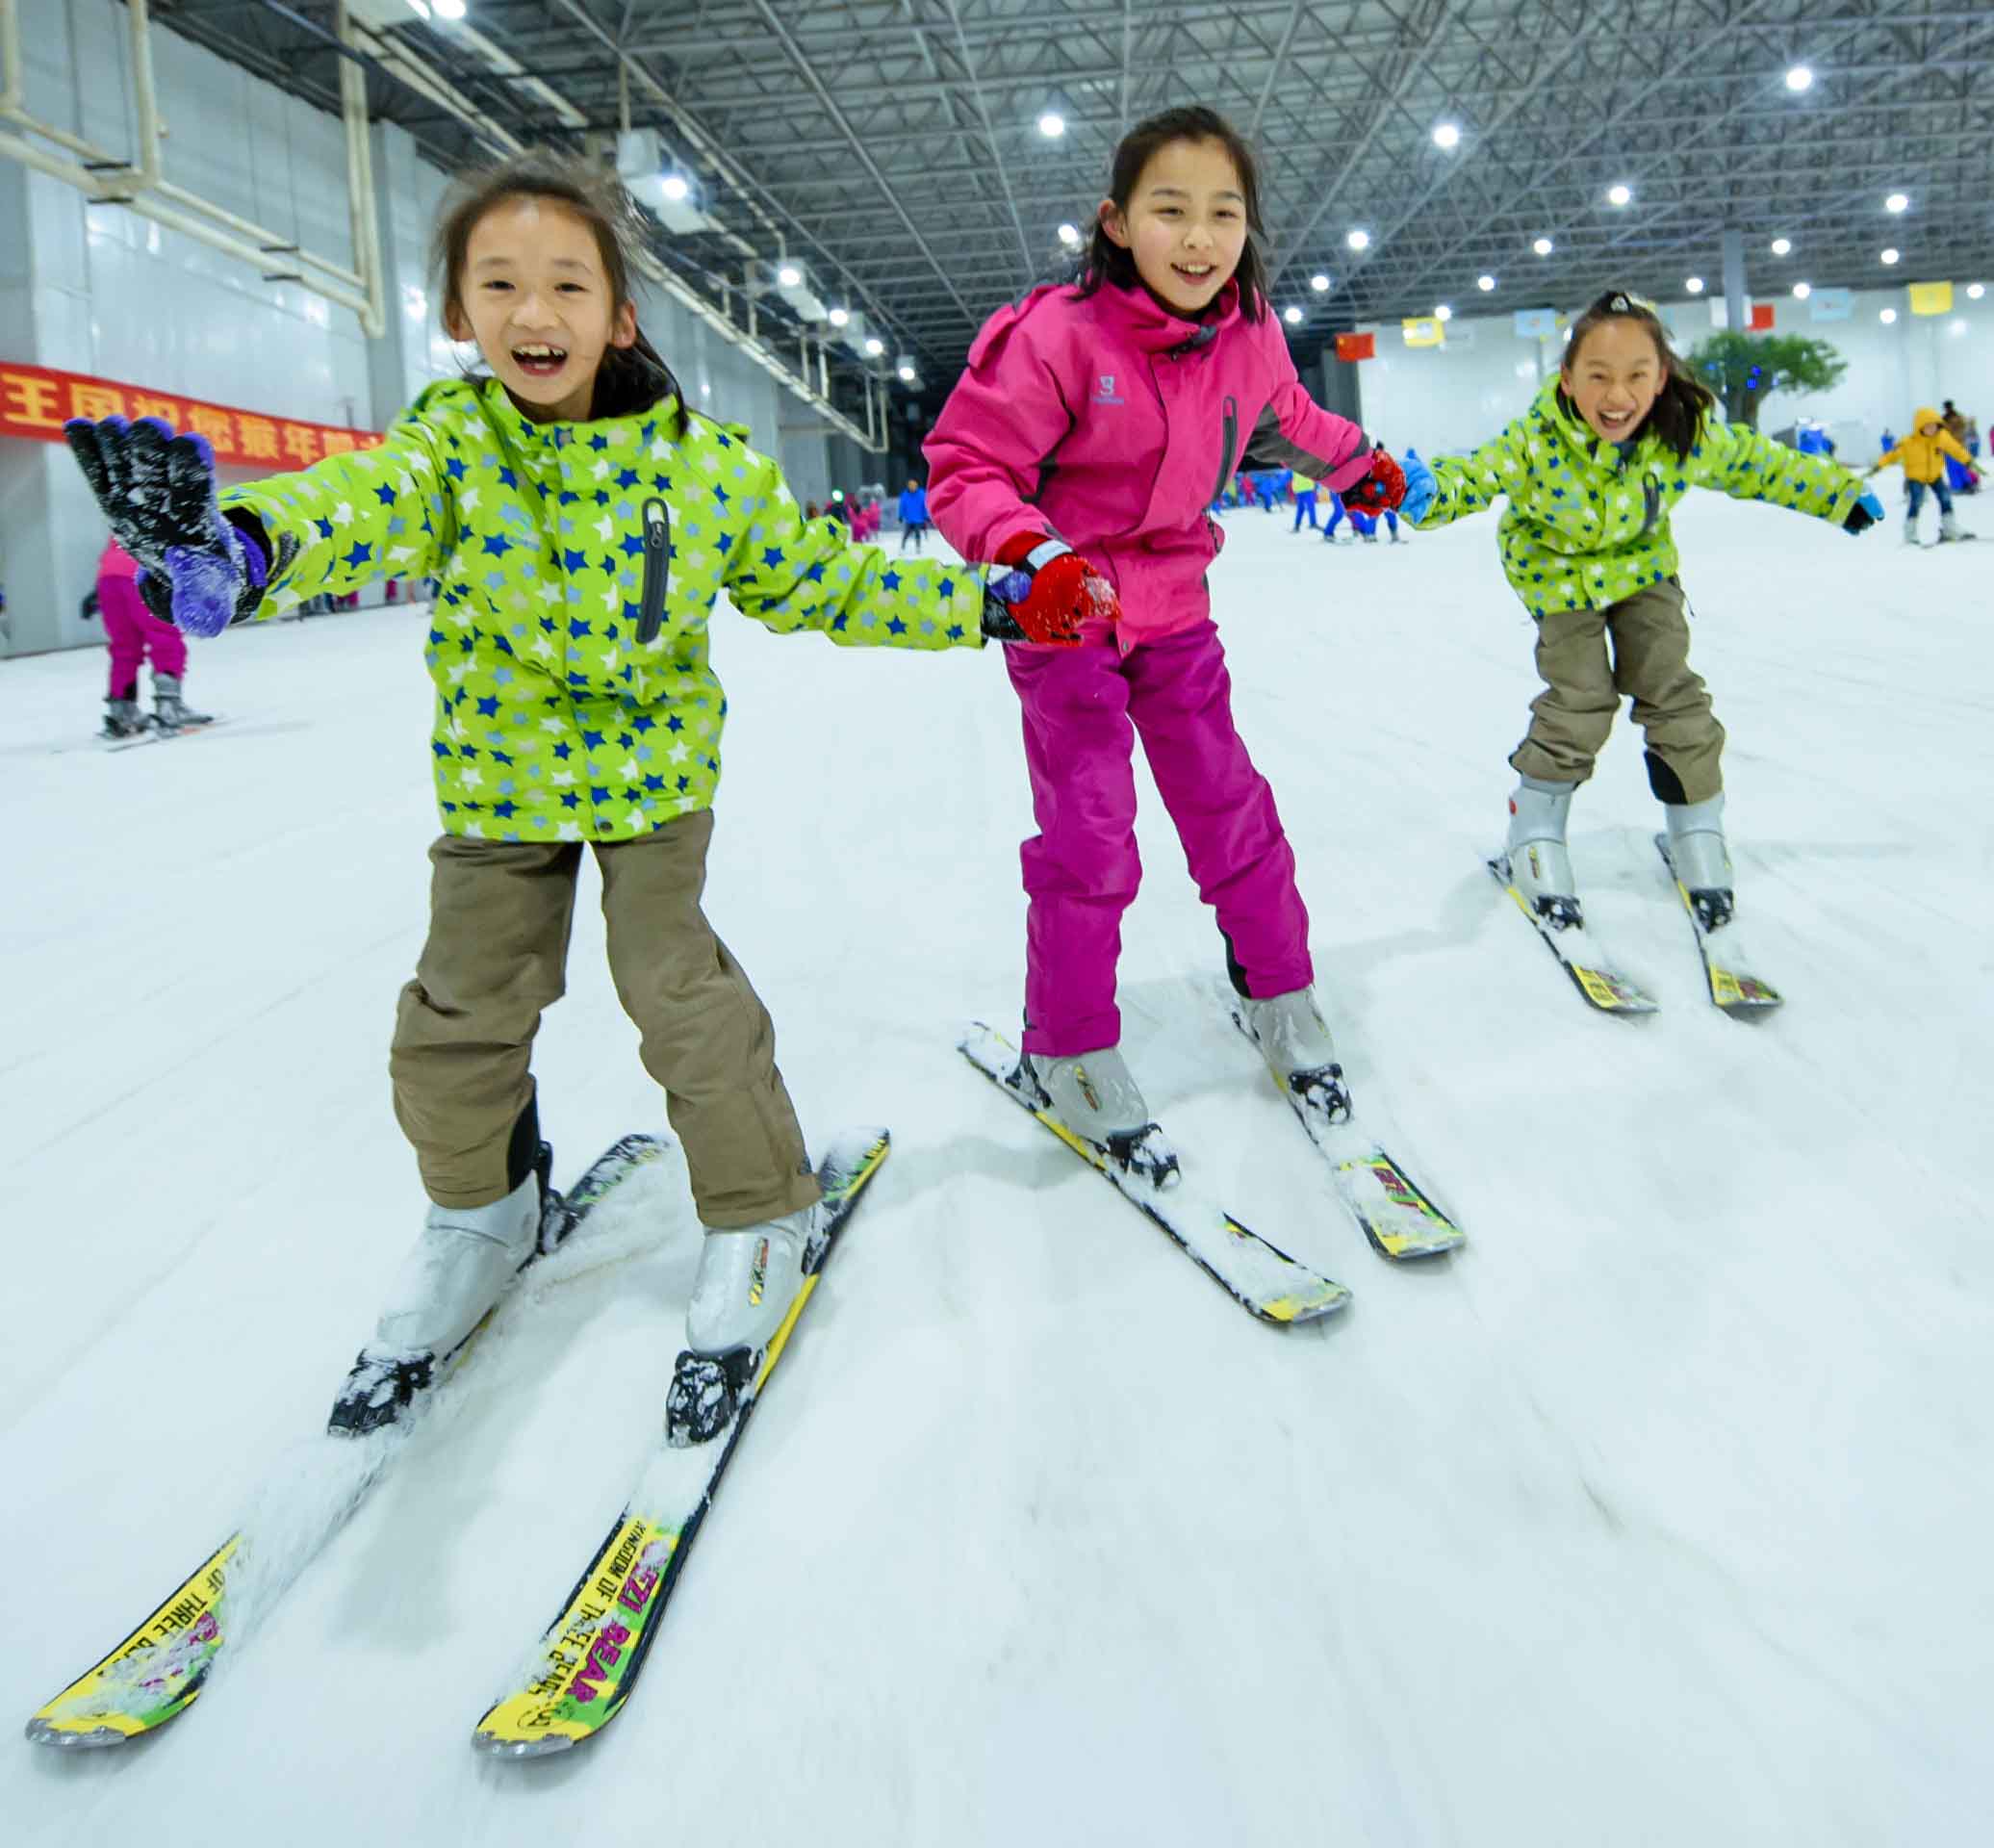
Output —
(892, 144)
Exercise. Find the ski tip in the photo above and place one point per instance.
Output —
(1292, 1311)
(502, 1745)
(43, 1731)
(1611, 992)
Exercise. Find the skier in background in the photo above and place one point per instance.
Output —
(913, 515)
(1304, 501)
(1923, 457)
(134, 634)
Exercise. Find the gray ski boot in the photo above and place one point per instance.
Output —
(1293, 1039)
(1538, 864)
(749, 1276)
(171, 712)
(1095, 1096)
(1700, 860)
(122, 719)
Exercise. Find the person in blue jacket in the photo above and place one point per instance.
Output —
(913, 515)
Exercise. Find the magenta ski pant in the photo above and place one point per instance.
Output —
(134, 632)
(1083, 709)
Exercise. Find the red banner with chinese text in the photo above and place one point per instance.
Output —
(36, 402)
(1355, 347)
(1761, 317)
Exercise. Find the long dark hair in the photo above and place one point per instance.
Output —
(1678, 414)
(1106, 261)
(631, 378)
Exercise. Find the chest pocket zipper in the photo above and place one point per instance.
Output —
(658, 545)
(1230, 452)
(1651, 498)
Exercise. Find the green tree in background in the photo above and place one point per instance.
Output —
(1744, 370)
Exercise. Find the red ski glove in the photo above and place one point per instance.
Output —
(1383, 487)
(1049, 592)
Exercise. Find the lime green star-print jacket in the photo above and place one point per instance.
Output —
(1587, 523)
(553, 720)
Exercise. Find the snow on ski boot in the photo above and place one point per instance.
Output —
(122, 719)
(1536, 862)
(1700, 860)
(1095, 1096)
(465, 1259)
(1949, 532)
(748, 1278)
(171, 712)
(1293, 1039)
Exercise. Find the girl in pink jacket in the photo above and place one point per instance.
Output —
(1093, 427)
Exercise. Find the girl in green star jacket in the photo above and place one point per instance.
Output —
(582, 521)
(1591, 471)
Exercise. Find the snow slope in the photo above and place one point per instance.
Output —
(1657, 1516)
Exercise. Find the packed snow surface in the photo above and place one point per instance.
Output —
(1658, 1515)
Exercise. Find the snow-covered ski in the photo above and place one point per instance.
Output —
(156, 733)
(591, 1654)
(159, 1670)
(1604, 987)
(1733, 988)
(1394, 1211)
(1261, 1278)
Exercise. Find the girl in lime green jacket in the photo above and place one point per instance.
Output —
(582, 521)
(1591, 471)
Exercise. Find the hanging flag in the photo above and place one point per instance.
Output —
(1931, 297)
(1356, 346)
(1761, 321)
(1536, 323)
(1830, 304)
(1424, 331)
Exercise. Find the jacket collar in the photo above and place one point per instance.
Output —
(1156, 329)
(609, 437)
(1564, 416)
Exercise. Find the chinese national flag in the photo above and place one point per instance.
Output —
(1356, 346)
(1761, 317)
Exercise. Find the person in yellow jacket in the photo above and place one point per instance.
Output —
(1922, 456)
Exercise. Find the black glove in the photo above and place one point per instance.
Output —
(157, 490)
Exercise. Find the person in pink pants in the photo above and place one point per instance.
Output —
(136, 634)
(1092, 428)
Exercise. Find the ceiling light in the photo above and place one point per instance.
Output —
(1544, 246)
(1484, 283)
(790, 277)
(1052, 124)
(875, 345)
(1887, 316)
(1694, 285)
(1781, 245)
(1291, 316)
(907, 372)
(1446, 134)
(449, 9)
(1801, 291)
(1444, 313)
(1955, 326)
(1887, 257)
(839, 317)
(1069, 236)
(1799, 78)
(1898, 202)
(1358, 240)
(1318, 282)
(1621, 194)
(1975, 291)
(673, 186)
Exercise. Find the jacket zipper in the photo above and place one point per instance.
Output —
(658, 541)
(1231, 445)
(1651, 497)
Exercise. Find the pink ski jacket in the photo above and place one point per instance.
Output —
(1113, 423)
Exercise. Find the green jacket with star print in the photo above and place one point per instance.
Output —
(1587, 524)
(554, 722)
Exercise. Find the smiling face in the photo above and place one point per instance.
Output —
(1615, 377)
(1184, 224)
(535, 296)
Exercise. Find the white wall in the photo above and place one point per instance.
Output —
(1439, 399)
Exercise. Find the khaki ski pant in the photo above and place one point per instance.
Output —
(1584, 685)
(500, 914)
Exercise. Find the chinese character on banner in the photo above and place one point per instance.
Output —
(1536, 323)
(1931, 297)
(1424, 331)
(301, 440)
(1355, 347)
(338, 441)
(167, 409)
(259, 438)
(216, 425)
(94, 402)
(29, 402)
(1762, 320)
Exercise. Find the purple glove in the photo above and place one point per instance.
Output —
(197, 570)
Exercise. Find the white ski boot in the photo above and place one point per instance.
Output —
(1949, 532)
(1910, 531)
(1294, 1041)
(1701, 861)
(463, 1261)
(171, 712)
(1539, 865)
(1095, 1096)
(749, 1276)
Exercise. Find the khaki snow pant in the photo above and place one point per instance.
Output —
(1583, 688)
(499, 914)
